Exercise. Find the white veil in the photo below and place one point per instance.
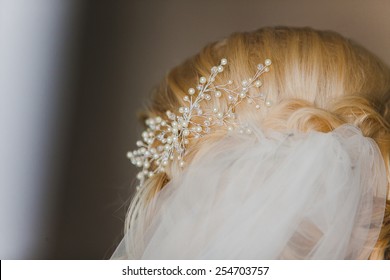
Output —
(269, 196)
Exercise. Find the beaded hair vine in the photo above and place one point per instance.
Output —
(166, 138)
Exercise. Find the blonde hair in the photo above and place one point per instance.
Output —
(319, 80)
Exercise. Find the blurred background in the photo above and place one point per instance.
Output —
(73, 75)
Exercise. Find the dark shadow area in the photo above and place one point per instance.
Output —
(97, 178)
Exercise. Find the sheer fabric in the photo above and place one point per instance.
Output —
(268, 195)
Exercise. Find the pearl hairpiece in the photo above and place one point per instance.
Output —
(165, 139)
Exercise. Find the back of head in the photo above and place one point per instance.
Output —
(319, 81)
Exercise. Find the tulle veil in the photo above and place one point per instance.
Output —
(268, 195)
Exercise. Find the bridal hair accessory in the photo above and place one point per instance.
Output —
(165, 139)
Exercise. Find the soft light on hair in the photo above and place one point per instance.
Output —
(319, 80)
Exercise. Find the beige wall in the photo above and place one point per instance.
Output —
(125, 48)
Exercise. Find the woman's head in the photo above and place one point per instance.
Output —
(318, 81)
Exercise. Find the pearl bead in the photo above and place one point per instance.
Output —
(181, 163)
(257, 106)
(258, 83)
(242, 94)
(230, 82)
(268, 62)
(186, 132)
(202, 80)
(198, 129)
(268, 103)
(170, 115)
(218, 93)
(186, 141)
(191, 91)
(266, 69)
(139, 143)
(230, 128)
(220, 115)
(181, 110)
(244, 83)
(220, 68)
(146, 164)
(185, 98)
(223, 61)
(164, 162)
(215, 110)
